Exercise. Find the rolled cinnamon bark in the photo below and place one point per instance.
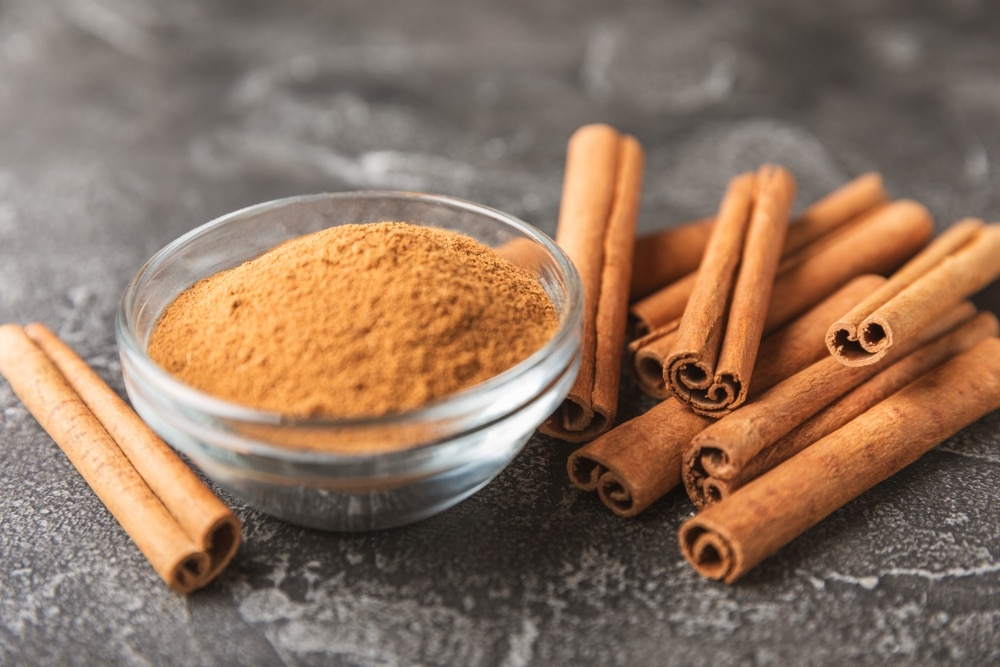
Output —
(597, 221)
(877, 242)
(667, 255)
(679, 249)
(636, 463)
(885, 383)
(960, 262)
(854, 198)
(724, 448)
(662, 307)
(712, 359)
(729, 538)
(187, 534)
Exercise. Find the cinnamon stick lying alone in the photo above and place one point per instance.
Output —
(670, 258)
(729, 538)
(885, 383)
(714, 351)
(961, 261)
(596, 228)
(724, 448)
(187, 534)
(636, 463)
(876, 242)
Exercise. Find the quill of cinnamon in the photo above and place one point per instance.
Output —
(726, 447)
(636, 463)
(885, 383)
(597, 221)
(669, 258)
(877, 242)
(667, 255)
(187, 534)
(729, 538)
(719, 334)
(958, 263)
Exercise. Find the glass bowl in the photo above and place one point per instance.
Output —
(414, 464)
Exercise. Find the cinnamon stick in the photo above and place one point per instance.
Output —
(724, 448)
(877, 242)
(682, 248)
(667, 255)
(728, 539)
(187, 534)
(712, 359)
(885, 383)
(639, 461)
(852, 199)
(597, 220)
(636, 463)
(960, 262)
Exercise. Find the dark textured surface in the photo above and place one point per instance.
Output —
(125, 123)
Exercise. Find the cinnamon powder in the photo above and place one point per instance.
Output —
(356, 320)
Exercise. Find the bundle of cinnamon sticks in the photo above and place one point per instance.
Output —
(797, 359)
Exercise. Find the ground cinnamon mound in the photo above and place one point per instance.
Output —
(356, 320)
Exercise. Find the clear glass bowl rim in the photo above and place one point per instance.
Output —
(457, 403)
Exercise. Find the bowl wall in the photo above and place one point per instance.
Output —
(356, 474)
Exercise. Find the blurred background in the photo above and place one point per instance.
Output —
(152, 118)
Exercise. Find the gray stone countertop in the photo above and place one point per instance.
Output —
(126, 123)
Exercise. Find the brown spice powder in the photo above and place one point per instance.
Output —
(356, 320)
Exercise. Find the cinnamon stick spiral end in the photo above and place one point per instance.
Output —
(617, 496)
(712, 491)
(859, 345)
(584, 471)
(704, 473)
(706, 392)
(221, 544)
(648, 372)
(577, 420)
(709, 552)
(190, 573)
(199, 568)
